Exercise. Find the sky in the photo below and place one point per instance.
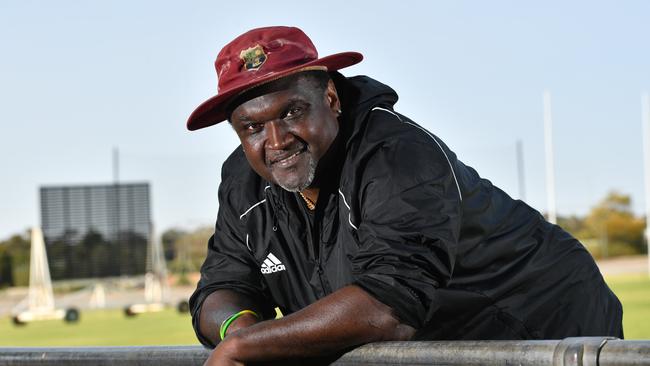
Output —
(80, 78)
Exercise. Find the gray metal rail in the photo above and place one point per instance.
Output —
(587, 351)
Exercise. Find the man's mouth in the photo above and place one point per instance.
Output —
(288, 158)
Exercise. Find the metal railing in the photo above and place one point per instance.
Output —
(587, 351)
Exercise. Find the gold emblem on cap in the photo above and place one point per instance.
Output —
(253, 57)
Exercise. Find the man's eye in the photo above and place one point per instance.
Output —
(253, 127)
(292, 112)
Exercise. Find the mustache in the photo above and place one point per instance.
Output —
(274, 156)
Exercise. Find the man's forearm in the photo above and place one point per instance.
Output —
(220, 305)
(349, 317)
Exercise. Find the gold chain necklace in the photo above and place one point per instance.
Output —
(310, 204)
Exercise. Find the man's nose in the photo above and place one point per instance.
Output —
(278, 136)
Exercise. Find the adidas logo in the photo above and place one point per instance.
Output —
(272, 264)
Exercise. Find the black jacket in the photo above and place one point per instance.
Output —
(400, 216)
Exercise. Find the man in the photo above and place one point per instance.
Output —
(361, 226)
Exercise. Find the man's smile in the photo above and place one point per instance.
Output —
(286, 159)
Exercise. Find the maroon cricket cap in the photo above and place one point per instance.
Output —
(257, 57)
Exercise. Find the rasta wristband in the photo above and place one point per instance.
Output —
(226, 323)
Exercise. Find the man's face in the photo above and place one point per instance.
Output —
(285, 133)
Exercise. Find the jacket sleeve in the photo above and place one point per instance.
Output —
(409, 227)
(228, 265)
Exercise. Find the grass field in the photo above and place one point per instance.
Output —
(634, 293)
(112, 328)
(103, 328)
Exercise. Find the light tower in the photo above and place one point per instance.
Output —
(645, 115)
(550, 169)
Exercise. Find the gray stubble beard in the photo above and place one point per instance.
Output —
(299, 186)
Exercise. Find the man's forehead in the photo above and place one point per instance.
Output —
(271, 102)
(279, 91)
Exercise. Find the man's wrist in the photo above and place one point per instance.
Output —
(226, 322)
(227, 352)
(240, 322)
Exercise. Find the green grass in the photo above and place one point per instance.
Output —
(634, 293)
(112, 328)
(102, 328)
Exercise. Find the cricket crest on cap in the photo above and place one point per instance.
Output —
(253, 57)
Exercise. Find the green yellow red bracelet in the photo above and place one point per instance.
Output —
(226, 323)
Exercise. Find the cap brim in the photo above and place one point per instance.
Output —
(213, 110)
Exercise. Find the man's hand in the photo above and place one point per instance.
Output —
(346, 318)
(223, 355)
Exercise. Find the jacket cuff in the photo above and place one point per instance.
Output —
(199, 296)
(404, 301)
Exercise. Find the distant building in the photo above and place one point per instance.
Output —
(96, 231)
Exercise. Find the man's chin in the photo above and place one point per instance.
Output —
(293, 185)
(296, 182)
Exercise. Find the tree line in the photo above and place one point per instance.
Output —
(610, 228)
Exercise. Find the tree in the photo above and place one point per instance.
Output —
(14, 262)
(575, 225)
(188, 248)
(613, 223)
(170, 239)
(6, 270)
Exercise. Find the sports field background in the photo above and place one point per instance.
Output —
(112, 328)
(634, 293)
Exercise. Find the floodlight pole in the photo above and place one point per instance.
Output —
(520, 170)
(116, 166)
(548, 143)
(645, 116)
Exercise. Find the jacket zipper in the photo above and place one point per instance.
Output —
(317, 236)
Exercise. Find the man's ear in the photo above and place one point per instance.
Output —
(333, 98)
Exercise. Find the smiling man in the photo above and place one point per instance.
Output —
(361, 226)
(285, 132)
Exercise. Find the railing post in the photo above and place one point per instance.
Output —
(625, 353)
(579, 351)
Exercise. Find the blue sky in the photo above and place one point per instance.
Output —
(78, 78)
